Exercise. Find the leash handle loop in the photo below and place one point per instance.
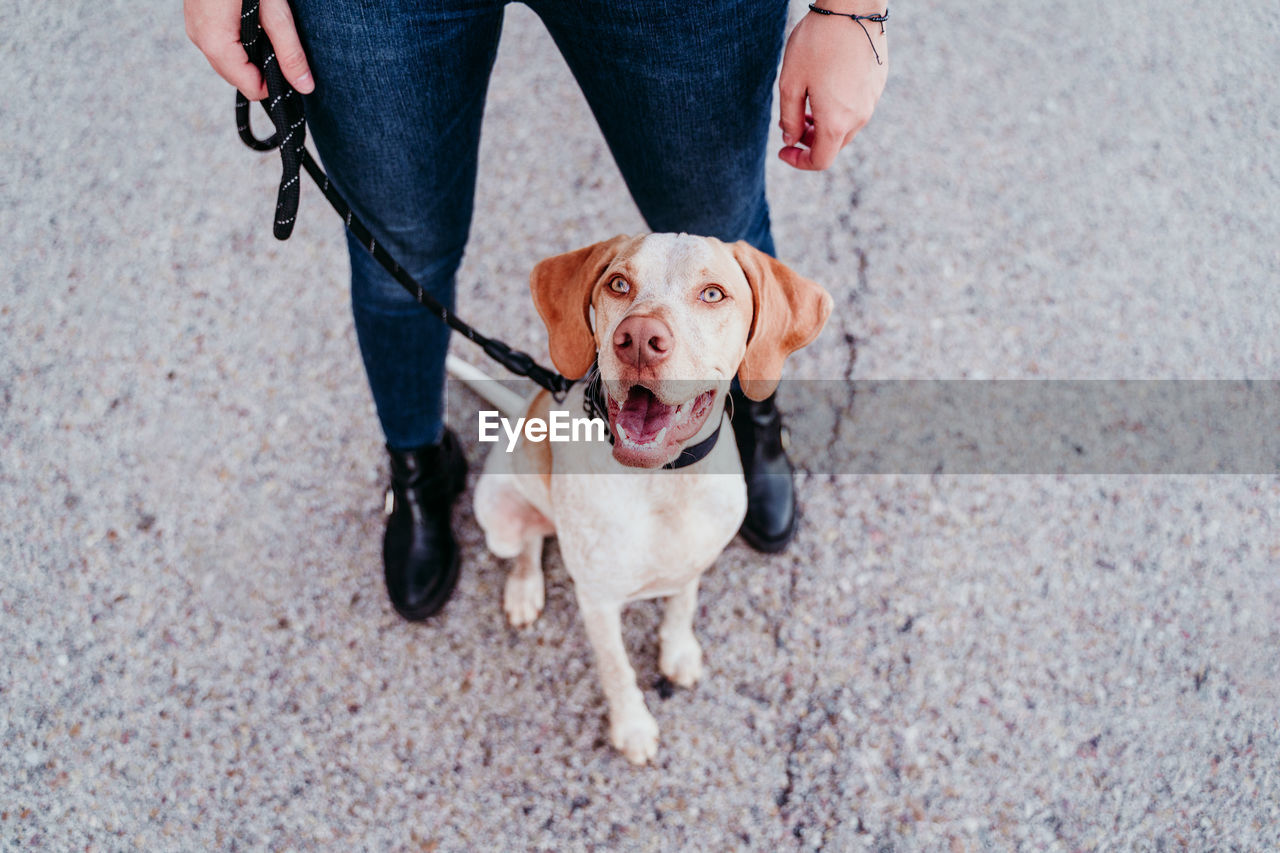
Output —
(246, 131)
(284, 106)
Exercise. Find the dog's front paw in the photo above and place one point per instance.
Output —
(635, 735)
(523, 599)
(681, 660)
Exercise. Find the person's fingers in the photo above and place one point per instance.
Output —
(277, 22)
(823, 138)
(797, 152)
(806, 139)
(791, 104)
(214, 27)
(827, 140)
(233, 65)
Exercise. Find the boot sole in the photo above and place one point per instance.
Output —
(437, 602)
(769, 546)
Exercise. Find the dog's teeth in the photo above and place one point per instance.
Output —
(622, 434)
(662, 433)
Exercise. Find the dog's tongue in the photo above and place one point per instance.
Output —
(643, 416)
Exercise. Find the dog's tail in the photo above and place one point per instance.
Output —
(509, 403)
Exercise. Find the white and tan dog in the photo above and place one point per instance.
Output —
(675, 318)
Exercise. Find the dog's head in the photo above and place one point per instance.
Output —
(675, 318)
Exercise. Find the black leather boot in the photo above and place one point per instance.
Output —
(419, 554)
(771, 499)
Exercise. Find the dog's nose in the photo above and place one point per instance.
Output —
(642, 341)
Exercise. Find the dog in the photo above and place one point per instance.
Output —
(667, 320)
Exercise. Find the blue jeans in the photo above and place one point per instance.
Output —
(682, 91)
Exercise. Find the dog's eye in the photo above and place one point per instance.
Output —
(711, 293)
(620, 286)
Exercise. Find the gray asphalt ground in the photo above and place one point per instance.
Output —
(195, 648)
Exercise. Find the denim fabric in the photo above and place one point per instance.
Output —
(682, 92)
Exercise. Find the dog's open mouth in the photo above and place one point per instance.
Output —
(648, 432)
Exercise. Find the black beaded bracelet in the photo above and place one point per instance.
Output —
(878, 18)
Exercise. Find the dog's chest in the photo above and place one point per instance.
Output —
(645, 535)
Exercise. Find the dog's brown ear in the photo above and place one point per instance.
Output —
(788, 311)
(561, 287)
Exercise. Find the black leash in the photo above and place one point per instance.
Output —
(284, 106)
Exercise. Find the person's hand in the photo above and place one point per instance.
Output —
(214, 26)
(830, 62)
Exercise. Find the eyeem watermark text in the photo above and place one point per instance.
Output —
(558, 426)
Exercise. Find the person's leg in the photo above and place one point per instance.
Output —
(683, 94)
(395, 116)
